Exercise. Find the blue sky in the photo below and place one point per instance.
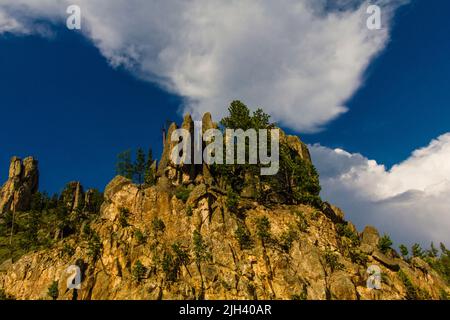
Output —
(74, 100)
(405, 100)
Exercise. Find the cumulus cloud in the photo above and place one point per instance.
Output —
(410, 201)
(10, 24)
(300, 60)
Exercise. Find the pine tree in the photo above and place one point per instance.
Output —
(417, 250)
(385, 243)
(404, 251)
(150, 174)
(139, 166)
(433, 252)
(124, 165)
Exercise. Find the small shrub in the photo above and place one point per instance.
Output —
(53, 291)
(344, 230)
(189, 211)
(232, 201)
(332, 261)
(87, 231)
(385, 243)
(263, 229)
(243, 236)
(139, 271)
(123, 217)
(358, 257)
(141, 238)
(287, 239)
(315, 215)
(94, 246)
(200, 248)
(67, 250)
(181, 255)
(412, 292)
(158, 226)
(302, 222)
(168, 266)
(182, 193)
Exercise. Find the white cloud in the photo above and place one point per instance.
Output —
(298, 59)
(410, 201)
(9, 24)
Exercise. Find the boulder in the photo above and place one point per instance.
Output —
(334, 213)
(342, 287)
(114, 186)
(367, 249)
(370, 236)
(294, 143)
(385, 260)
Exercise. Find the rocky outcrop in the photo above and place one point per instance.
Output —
(148, 242)
(23, 181)
(195, 251)
(73, 196)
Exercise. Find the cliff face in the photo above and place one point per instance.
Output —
(23, 181)
(147, 243)
(293, 260)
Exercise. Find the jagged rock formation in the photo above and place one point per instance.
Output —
(149, 244)
(275, 270)
(23, 182)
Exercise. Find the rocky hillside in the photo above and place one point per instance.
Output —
(186, 237)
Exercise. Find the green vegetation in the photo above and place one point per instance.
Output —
(172, 263)
(297, 180)
(181, 255)
(182, 193)
(189, 211)
(287, 239)
(441, 263)
(404, 251)
(140, 237)
(302, 222)
(53, 290)
(141, 171)
(67, 250)
(49, 220)
(123, 217)
(139, 271)
(358, 257)
(344, 230)
(232, 201)
(158, 226)
(243, 236)
(201, 250)
(417, 251)
(331, 260)
(263, 230)
(385, 244)
(94, 246)
(412, 292)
